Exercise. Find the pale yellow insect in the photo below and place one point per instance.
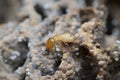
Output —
(65, 38)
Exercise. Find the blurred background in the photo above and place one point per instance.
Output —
(10, 9)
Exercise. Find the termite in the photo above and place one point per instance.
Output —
(60, 38)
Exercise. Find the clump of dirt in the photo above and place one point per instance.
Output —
(93, 54)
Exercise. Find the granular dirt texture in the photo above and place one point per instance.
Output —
(92, 54)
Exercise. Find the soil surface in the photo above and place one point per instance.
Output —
(59, 40)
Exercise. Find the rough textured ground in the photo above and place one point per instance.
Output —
(93, 55)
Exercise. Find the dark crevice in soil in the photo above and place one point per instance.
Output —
(63, 9)
(88, 71)
(85, 13)
(109, 24)
(88, 2)
(17, 56)
(24, 44)
(114, 68)
(40, 10)
(57, 62)
(50, 71)
(23, 77)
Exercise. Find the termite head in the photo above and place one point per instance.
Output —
(50, 44)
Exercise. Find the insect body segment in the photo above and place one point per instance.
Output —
(65, 38)
(50, 44)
